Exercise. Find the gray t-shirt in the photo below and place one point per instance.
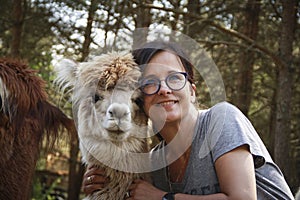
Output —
(219, 130)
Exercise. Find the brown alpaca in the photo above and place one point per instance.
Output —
(26, 117)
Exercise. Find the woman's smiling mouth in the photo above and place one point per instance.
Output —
(167, 103)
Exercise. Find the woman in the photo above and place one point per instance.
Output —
(209, 154)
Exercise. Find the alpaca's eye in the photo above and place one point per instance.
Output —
(97, 98)
(139, 102)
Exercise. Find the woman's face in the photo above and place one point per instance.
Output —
(167, 105)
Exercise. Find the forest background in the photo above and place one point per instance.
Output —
(254, 43)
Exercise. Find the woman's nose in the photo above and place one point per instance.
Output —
(164, 89)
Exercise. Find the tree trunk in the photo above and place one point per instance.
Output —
(88, 30)
(284, 87)
(77, 169)
(143, 20)
(192, 27)
(176, 5)
(246, 59)
(272, 124)
(16, 28)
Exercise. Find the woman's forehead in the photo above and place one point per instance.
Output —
(164, 62)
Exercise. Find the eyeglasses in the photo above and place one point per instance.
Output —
(175, 81)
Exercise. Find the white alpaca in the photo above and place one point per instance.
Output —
(112, 127)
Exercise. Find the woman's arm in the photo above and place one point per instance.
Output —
(236, 174)
(235, 171)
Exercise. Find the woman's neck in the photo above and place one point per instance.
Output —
(179, 134)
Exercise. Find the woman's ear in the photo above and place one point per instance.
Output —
(193, 93)
(193, 87)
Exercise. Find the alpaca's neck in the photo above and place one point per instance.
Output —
(115, 155)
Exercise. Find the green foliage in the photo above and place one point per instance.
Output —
(41, 192)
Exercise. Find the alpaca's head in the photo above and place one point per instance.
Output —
(106, 98)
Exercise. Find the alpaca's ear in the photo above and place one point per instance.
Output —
(66, 71)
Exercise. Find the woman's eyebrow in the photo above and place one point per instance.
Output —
(168, 72)
(150, 76)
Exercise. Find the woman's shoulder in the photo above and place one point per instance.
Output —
(223, 110)
(223, 105)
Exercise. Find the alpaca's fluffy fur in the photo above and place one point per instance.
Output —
(26, 119)
(111, 125)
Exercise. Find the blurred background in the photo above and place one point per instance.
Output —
(254, 43)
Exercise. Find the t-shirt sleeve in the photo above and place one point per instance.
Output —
(228, 128)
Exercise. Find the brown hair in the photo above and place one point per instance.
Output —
(144, 54)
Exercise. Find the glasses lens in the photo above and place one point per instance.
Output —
(150, 85)
(176, 81)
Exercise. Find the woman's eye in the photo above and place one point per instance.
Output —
(97, 98)
(175, 78)
(150, 82)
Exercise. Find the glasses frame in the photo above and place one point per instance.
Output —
(166, 81)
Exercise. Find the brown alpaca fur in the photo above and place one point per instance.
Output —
(26, 117)
(110, 120)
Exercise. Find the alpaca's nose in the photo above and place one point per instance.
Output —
(118, 111)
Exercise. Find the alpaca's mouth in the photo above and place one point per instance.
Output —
(117, 135)
(117, 132)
